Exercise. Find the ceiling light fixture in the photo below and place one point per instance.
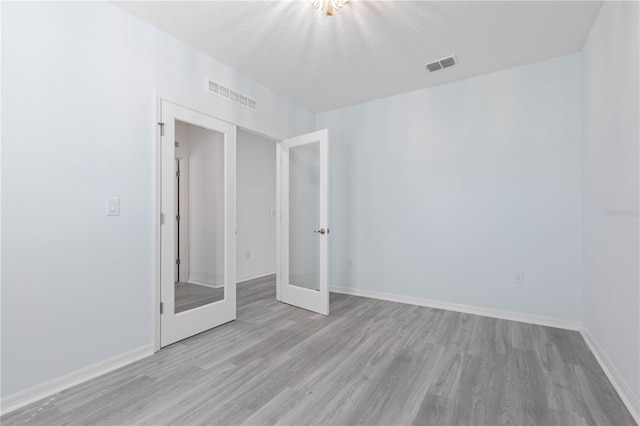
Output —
(328, 6)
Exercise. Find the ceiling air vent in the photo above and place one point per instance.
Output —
(447, 62)
(231, 95)
(442, 63)
(434, 66)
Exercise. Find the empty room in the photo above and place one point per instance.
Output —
(323, 212)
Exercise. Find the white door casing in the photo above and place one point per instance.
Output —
(175, 327)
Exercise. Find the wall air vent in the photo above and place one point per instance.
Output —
(231, 95)
(442, 63)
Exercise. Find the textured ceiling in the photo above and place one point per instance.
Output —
(370, 49)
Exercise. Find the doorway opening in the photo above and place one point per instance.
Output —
(208, 241)
(256, 211)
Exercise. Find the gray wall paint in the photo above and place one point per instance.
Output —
(610, 183)
(78, 115)
(444, 193)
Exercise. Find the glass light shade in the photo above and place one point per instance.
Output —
(328, 6)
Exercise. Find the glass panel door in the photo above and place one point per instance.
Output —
(197, 254)
(199, 216)
(304, 216)
(303, 231)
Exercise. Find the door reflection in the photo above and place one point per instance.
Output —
(199, 217)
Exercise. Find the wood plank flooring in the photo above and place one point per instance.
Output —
(189, 296)
(369, 362)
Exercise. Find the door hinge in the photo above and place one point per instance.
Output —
(161, 308)
(177, 144)
(178, 174)
(161, 218)
(161, 124)
(178, 218)
(177, 261)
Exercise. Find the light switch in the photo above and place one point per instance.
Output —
(113, 206)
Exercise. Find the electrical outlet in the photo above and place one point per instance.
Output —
(518, 277)
(349, 262)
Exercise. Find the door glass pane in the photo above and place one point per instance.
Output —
(304, 199)
(199, 220)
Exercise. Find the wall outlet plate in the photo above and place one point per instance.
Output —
(113, 206)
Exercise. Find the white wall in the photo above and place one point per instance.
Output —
(79, 114)
(444, 193)
(610, 187)
(255, 199)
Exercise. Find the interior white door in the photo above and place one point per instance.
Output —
(207, 297)
(303, 230)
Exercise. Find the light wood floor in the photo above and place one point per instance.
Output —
(189, 296)
(369, 362)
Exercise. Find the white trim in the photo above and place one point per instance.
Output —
(33, 394)
(249, 277)
(631, 401)
(220, 284)
(157, 225)
(183, 226)
(278, 221)
(262, 135)
(206, 283)
(218, 113)
(475, 310)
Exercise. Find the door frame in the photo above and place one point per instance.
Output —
(156, 222)
(183, 226)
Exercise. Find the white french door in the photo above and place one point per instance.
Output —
(206, 296)
(303, 229)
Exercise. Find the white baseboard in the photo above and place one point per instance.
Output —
(27, 396)
(239, 279)
(475, 310)
(248, 277)
(624, 391)
(206, 283)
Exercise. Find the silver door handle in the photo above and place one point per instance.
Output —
(322, 231)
